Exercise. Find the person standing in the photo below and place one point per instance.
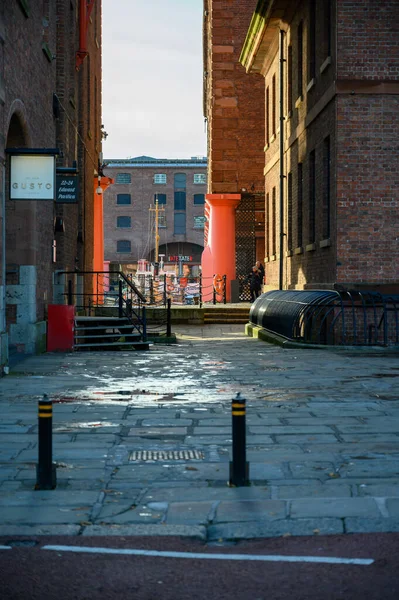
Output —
(255, 283)
(261, 271)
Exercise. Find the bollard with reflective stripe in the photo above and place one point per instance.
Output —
(46, 477)
(239, 468)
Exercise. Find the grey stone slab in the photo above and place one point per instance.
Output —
(373, 425)
(211, 494)
(87, 474)
(312, 438)
(380, 490)
(284, 527)
(14, 428)
(333, 507)
(263, 471)
(311, 469)
(187, 531)
(128, 513)
(225, 431)
(88, 454)
(32, 530)
(158, 431)
(286, 492)
(165, 422)
(149, 473)
(291, 429)
(189, 513)
(49, 515)
(370, 438)
(202, 440)
(54, 497)
(392, 506)
(250, 510)
(362, 525)
(371, 468)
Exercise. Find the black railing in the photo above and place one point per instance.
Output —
(330, 317)
(100, 293)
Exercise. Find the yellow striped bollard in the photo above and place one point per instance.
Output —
(46, 477)
(239, 468)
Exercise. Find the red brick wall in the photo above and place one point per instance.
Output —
(234, 101)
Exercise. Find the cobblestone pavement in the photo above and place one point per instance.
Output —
(322, 440)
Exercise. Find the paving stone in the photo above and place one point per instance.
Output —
(285, 527)
(311, 491)
(362, 525)
(371, 468)
(370, 438)
(313, 438)
(149, 473)
(158, 431)
(311, 469)
(33, 530)
(187, 531)
(291, 429)
(334, 507)
(392, 506)
(189, 513)
(165, 422)
(128, 513)
(48, 498)
(49, 515)
(250, 510)
(213, 494)
(381, 490)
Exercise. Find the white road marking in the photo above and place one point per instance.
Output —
(5, 547)
(198, 555)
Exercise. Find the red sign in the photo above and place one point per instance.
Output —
(180, 258)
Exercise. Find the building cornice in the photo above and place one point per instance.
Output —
(265, 24)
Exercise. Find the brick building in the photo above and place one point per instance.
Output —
(50, 98)
(234, 109)
(129, 211)
(331, 73)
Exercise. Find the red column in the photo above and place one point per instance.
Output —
(219, 256)
(98, 255)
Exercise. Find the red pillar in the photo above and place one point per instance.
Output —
(219, 256)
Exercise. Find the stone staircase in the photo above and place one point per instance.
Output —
(92, 333)
(226, 314)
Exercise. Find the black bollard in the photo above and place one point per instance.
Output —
(46, 477)
(239, 468)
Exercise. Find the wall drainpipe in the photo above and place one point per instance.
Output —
(282, 176)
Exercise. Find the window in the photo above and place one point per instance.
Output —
(161, 198)
(312, 197)
(299, 206)
(312, 40)
(160, 178)
(123, 246)
(289, 211)
(123, 199)
(274, 227)
(180, 224)
(180, 200)
(200, 178)
(161, 220)
(199, 222)
(123, 178)
(274, 105)
(300, 59)
(289, 80)
(326, 188)
(267, 115)
(123, 221)
(180, 181)
(199, 198)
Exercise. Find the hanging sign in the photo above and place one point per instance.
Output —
(32, 177)
(67, 189)
(180, 258)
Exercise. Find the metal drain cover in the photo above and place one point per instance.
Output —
(166, 455)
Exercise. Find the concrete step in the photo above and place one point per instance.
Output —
(93, 345)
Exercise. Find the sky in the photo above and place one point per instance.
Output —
(152, 78)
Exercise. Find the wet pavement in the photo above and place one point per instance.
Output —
(142, 440)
